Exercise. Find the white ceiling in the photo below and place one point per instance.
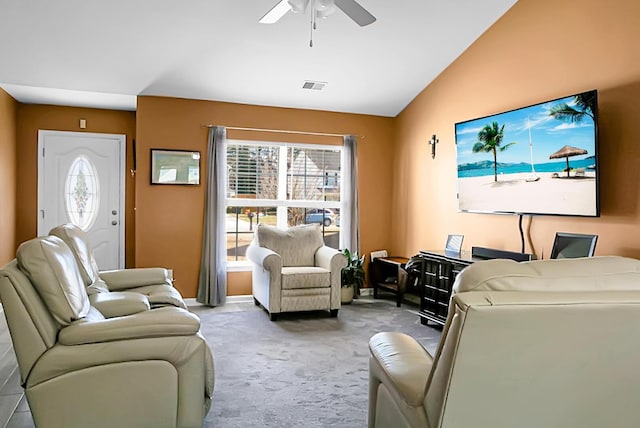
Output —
(105, 53)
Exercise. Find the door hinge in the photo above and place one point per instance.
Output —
(42, 213)
(42, 151)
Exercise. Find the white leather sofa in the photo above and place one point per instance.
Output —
(80, 368)
(294, 271)
(549, 343)
(112, 290)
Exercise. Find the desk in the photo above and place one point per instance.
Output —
(436, 274)
(388, 273)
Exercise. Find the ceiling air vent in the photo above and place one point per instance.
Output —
(310, 84)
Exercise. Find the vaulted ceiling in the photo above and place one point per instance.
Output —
(105, 53)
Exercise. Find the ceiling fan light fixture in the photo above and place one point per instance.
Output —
(323, 5)
(324, 13)
(298, 6)
(324, 8)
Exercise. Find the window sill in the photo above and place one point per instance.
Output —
(238, 266)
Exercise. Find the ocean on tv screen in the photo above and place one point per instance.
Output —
(588, 164)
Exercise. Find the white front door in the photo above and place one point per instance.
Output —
(81, 181)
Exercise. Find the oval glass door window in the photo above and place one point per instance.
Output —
(81, 193)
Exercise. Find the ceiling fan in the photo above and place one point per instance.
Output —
(319, 9)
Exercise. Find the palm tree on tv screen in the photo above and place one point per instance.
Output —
(489, 141)
(584, 107)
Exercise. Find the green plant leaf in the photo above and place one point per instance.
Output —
(353, 273)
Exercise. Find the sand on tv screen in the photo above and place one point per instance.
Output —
(540, 159)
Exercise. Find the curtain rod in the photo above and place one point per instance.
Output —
(282, 131)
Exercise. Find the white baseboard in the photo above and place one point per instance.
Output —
(230, 299)
(249, 298)
(240, 299)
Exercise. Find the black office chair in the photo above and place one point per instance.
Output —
(573, 245)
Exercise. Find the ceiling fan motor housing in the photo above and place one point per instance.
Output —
(320, 9)
(298, 6)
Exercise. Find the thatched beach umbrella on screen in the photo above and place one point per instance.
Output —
(567, 151)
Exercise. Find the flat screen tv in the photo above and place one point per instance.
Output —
(540, 159)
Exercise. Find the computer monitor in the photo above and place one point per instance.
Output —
(572, 245)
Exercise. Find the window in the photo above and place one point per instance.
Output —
(81, 193)
(281, 184)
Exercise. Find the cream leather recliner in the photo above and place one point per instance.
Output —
(81, 369)
(154, 283)
(294, 271)
(550, 343)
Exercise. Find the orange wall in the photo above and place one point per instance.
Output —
(30, 119)
(539, 50)
(169, 218)
(8, 108)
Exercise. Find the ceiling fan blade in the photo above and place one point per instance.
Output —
(356, 12)
(276, 12)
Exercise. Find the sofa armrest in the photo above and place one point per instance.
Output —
(328, 258)
(161, 295)
(119, 303)
(122, 279)
(403, 365)
(265, 258)
(334, 261)
(159, 322)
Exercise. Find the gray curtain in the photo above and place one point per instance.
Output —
(212, 284)
(350, 217)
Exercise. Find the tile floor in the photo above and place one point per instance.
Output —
(14, 410)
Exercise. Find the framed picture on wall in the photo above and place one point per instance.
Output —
(175, 167)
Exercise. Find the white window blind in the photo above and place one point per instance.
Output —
(281, 184)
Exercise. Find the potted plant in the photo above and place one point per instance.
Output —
(352, 276)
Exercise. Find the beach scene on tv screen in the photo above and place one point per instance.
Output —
(539, 159)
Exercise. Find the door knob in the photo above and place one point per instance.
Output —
(114, 212)
(114, 223)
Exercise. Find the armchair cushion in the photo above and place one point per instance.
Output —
(77, 240)
(52, 268)
(297, 245)
(305, 277)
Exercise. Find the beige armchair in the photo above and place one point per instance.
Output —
(105, 288)
(81, 369)
(549, 343)
(294, 271)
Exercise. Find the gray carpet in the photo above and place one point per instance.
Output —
(305, 370)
